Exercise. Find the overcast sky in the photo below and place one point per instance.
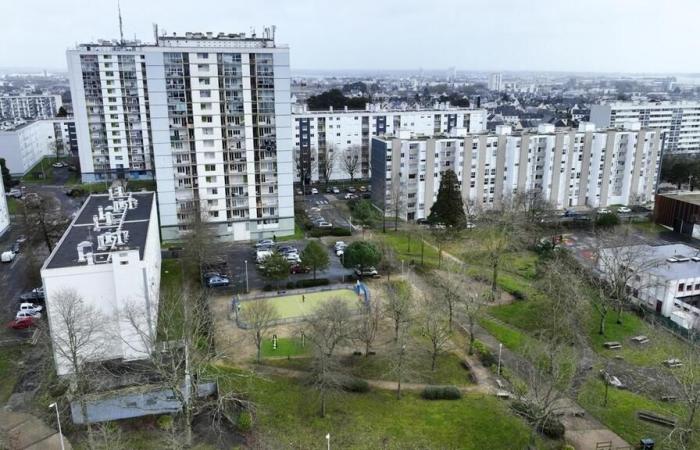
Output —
(586, 35)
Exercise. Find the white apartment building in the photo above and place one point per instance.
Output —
(24, 145)
(323, 136)
(668, 281)
(110, 258)
(43, 106)
(4, 211)
(571, 167)
(495, 82)
(207, 115)
(679, 120)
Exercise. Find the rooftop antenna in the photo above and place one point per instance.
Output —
(121, 25)
(155, 32)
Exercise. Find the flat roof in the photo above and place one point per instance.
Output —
(136, 222)
(662, 268)
(688, 197)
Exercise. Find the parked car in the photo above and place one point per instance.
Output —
(16, 193)
(351, 190)
(299, 192)
(324, 224)
(329, 190)
(298, 268)
(21, 323)
(262, 255)
(471, 225)
(314, 191)
(59, 165)
(603, 211)
(33, 295)
(624, 210)
(363, 189)
(16, 247)
(349, 196)
(30, 307)
(7, 256)
(336, 190)
(208, 275)
(340, 248)
(218, 281)
(21, 239)
(34, 314)
(366, 272)
(285, 249)
(265, 243)
(293, 258)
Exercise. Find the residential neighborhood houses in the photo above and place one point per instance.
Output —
(203, 246)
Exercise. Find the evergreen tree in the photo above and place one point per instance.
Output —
(315, 256)
(448, 209)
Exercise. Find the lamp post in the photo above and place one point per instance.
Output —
(328, 441)
(500, 349)
(246, 276)
(58, 420)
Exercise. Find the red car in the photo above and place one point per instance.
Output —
(21, 323)
(298, 268)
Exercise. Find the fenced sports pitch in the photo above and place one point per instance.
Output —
(295, 307)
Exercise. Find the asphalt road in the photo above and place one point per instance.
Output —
(326, 208)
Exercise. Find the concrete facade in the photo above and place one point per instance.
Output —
(23, 146)
(571, 167)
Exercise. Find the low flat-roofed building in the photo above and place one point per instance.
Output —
(109, 258)
(679, 211)
(667, 279)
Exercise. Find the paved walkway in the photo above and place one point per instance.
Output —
(26, 432)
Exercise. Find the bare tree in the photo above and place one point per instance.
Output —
(624, 267)
(496, 243)
(394, 202)
(199, 239)
(402, 361)
(547, 373)
(261, 316)
(326, 164)
(79, 334)
(435, 329)
(470, 307)
(367, 325)
(329, 327)
(43, 218)
(448, 288)
(350, 160)
(399, 305)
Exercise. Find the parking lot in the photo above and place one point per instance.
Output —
(322, 205)
(240, 253)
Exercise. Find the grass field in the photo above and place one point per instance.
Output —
(299, 305)
(285, 347)
(8, 371)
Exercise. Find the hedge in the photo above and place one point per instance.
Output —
(332, 231)
(441, 393)
(356, 385)
(308, 283)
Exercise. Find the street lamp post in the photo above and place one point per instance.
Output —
(328, 441)
(246, 276)
(500, 349)
(58, 420)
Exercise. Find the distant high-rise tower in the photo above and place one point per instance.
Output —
(207, 115)
(496, 82)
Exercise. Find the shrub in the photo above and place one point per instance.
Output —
(312, 283)
(485, 355)
(268, 287)
(245, 421)
(332, 231)
(553, 428)
(441, 393)
(607, 220)
(165, 423)
(356, 385)
(291, 284)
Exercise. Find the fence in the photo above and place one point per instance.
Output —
(359, 288)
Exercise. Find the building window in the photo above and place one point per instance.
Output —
(681, 286)
(207, 131)
(207, 119)
(206, 93)
(210, 167)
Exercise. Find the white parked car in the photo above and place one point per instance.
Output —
(623, 210)
(314, 191)
(324, 224)
(603, 211)
(30, 307)
(265, 243)
(262, 255)
(340, 248)
(470, 225)
(336, 190)
(25, 314)
(7, 256)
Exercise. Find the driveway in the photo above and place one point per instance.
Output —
(326, 208)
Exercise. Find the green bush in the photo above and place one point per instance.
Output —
(441, 393)
(244, 423)
(332, 231)
(607, 220)
(485, 355)
(312, 283)
(553, 428)
(357, 385)
(165, 423)
(268, 287)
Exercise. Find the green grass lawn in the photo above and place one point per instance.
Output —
(42, 172)
(298, 234)
(285, 347)
(13, 205)
(621, 412)
(8, 371)
(407, 247)
(299, 305)
(287, 417)
(170, 279)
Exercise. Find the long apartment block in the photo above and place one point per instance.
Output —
(570, 167)
(680, 121)
(323, 136)
(207, 115)
(26, 106)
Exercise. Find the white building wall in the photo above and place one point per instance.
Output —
(4, 211)
(25, 146)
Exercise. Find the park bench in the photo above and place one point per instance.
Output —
(612, 345)
(673, 363)
(651, 417)
(503, 394)
(668, 398)
(612, 380)
(641, 339)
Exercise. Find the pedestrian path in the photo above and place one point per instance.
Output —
(26, 432)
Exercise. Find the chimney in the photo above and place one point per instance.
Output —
(101, 213)
(108, 218)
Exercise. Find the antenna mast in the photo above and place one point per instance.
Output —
(121, 26)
